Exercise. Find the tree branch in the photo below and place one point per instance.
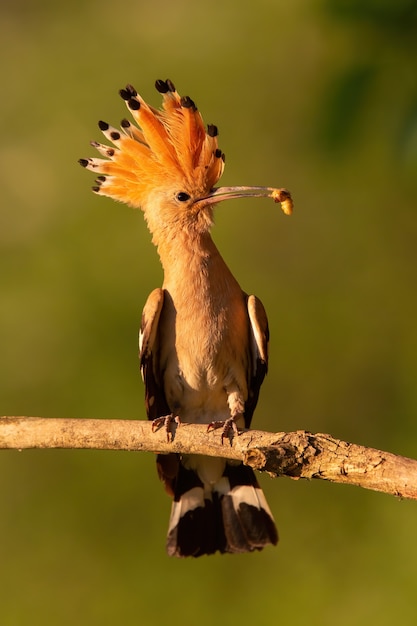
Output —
(298, 454)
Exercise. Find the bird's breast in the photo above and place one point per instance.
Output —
(204, 351)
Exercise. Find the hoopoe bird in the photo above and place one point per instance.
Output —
(203, 341)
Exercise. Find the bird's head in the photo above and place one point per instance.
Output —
(168, 163)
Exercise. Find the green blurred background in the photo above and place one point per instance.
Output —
(316, 96)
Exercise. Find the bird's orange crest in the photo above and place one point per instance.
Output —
(167, 145)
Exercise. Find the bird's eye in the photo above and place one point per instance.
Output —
(182, 196)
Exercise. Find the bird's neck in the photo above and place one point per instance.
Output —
(186, 253)
(192, 264)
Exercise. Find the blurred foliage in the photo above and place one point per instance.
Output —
(320, 97)
(382, 45)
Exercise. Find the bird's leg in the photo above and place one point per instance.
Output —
(167, 421)
(229, 427)
(237, 407)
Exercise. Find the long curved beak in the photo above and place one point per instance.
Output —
(282, 196)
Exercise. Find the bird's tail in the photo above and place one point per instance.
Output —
(231, 515)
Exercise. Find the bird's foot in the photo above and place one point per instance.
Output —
(229, 428)
(167, 421)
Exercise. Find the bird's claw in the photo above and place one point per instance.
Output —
(167, 421)
(229, 428)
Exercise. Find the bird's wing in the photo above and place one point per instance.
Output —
(259, 338)
(155, 400)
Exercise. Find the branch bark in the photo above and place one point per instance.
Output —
(297, 454)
